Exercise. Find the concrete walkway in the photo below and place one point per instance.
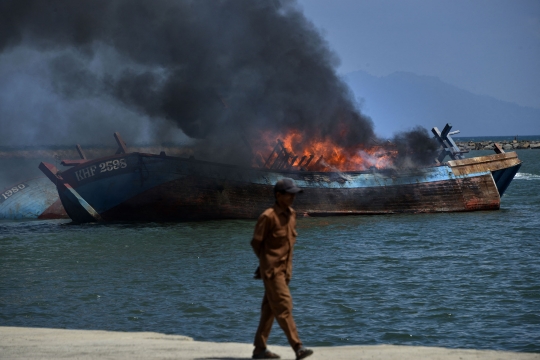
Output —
(39, 343)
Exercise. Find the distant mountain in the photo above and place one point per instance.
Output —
(402, 100)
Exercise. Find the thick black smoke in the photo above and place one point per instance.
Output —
(414, 148)
(220, 70)
(214, 68)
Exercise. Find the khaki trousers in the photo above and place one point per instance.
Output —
(277, 303)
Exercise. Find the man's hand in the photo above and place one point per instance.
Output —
(257, 274)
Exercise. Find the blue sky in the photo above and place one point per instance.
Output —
(489, 47)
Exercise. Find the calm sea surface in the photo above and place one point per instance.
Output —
(462, 280)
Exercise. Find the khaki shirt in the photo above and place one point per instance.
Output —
(274, 239)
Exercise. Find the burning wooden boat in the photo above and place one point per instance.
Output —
(31, 199)
(150, 187)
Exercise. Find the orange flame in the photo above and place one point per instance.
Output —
(334, 156)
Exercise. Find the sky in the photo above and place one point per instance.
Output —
(488, 47)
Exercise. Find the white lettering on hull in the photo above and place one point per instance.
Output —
(110, 165)
(9, 193)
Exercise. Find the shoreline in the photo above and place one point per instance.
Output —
(97, 152)
(46, 343)
(507, 145)
(90, 152)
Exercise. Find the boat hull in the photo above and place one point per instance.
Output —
(146, 187)
(31, 199)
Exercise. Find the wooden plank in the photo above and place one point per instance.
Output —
(80, 151)
(53, 174)
(73, 162)
(122, 147)
(498, 149)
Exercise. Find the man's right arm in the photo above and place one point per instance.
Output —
(261, 229)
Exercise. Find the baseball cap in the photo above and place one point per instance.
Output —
(287, 185)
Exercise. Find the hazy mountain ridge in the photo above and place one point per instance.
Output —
(402, 100)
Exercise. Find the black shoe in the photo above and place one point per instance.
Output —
(265, 354)
(303, 353)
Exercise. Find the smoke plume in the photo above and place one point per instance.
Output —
(221, 71)
(414, 147)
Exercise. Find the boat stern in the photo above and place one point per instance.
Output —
(503, 167)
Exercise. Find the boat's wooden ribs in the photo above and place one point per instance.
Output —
(280, 158)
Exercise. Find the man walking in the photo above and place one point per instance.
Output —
(273, 242)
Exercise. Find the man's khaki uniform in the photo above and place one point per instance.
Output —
(273, 242)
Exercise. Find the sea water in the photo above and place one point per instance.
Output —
(459, 280)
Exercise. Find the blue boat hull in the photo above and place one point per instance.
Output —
(31, 199)
(146, 187)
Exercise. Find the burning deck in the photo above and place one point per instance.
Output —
(283, 158)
